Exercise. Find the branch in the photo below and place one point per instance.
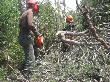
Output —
(78, 6)
(86, 14)
(73, 42)
(71, 33)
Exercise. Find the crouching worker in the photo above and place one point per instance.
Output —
(69, 27)
(26, 38)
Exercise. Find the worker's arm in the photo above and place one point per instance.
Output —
(30, 19)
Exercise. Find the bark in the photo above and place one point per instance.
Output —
(61, 35)
(92, 28)
(71, 33)
(85, 11)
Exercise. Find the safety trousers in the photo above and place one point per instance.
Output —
(26, 41)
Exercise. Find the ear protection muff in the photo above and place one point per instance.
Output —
(36, 8)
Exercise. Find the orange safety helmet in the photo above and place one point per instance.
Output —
(39, 41)
(69, 18)
(31, 2)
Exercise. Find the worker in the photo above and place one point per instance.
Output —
(70, 24)
(69, 27)
(26, 39)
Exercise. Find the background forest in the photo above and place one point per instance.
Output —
(88, 62)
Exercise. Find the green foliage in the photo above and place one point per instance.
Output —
(9, 30)
(50, 21)
(2, 73)
(47, 16)
(91, 3)
(80, 63)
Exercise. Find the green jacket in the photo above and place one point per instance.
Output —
(69, 27)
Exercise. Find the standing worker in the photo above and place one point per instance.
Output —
(69, 27)
(70, 24)
(27, 30)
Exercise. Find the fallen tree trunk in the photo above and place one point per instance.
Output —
(71, 33)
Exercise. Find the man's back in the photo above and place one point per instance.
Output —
(24, 23)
